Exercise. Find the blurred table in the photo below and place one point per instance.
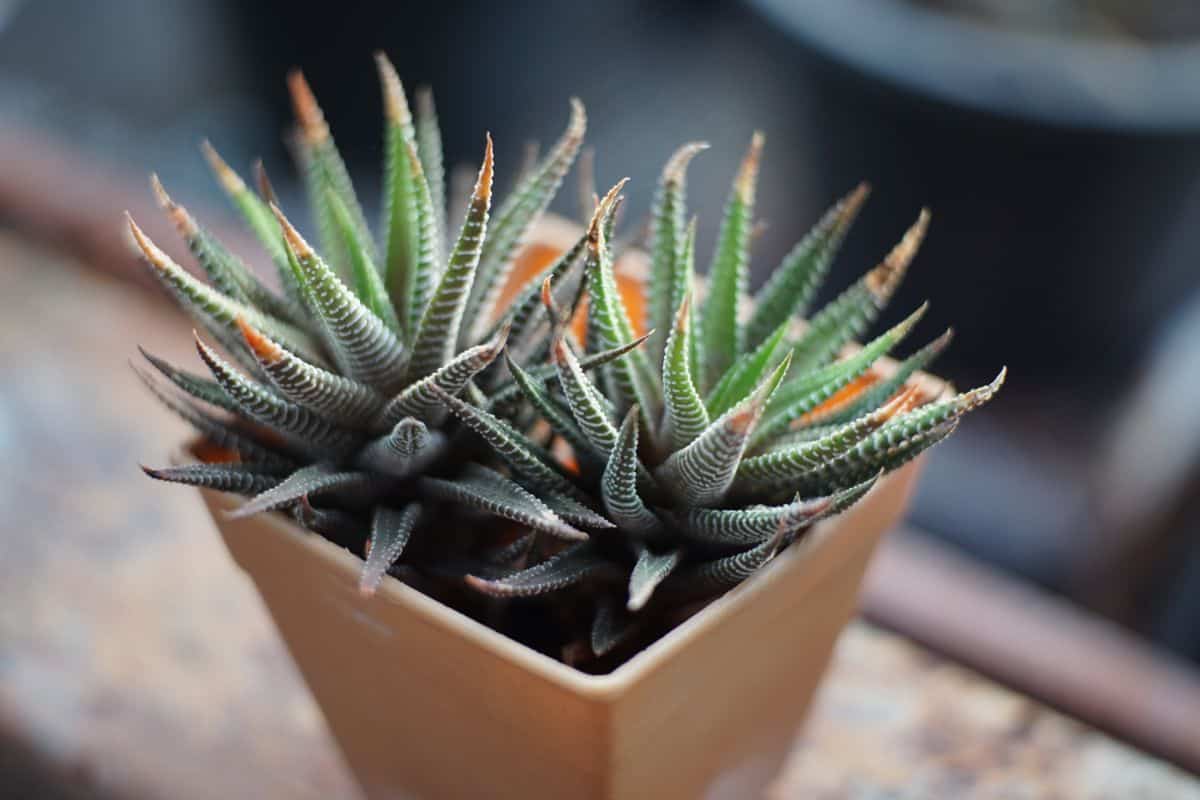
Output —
(136, 662)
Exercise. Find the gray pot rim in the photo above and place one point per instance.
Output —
(1079, 82)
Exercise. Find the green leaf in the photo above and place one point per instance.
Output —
(516, 216)
(856, 308)
(619, 484)
(245, 479)
(511, 446)
(390, 532)
(402, 224)
(745, 373)
(701, 473)
(685, 417)
(649, 571)
(560, 422)
(901, 440)
(203, 389)
(437, 337)
(790, 289)
(879, 393)
(338, 399)
(667, 238)
(584, 400)
(720, 574)
(311, 480)
(325, 173)
(429, 150)
(368, 284)
(608, 319)
(491, 492)
(299, 425)
(419, 399)
(206, 303)
(527, 309)
(561, 570)
(721, 336)
(806, 391)
(751, 525)
(363, 346)
(258, 218)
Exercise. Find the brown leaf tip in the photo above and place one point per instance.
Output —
(263, 348)
(483, 184)
(603, 209)
(675, 170)
(395, 104)
(747, 177)
(230, 181)
(851, 204)
(292, 236)
(308, 113)
(577, 126)
(265, 190)
(155, 256)
(179, 215)
(884, 279)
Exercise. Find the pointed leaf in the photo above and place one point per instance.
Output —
(667, 240)
(368, 284)
(437, 338)
(702, 472)
(365, 349)
(791, 287)
(401, 215)
(557, 572)
(311, 480)
(429, 150)
(649, 571)
(619, 484)
(856, 308)
(245, 479)
(751, 525)
(515, 218)
(390, 531)
(746, 372)
(410, 447)
(721, 336)
(203, 389)
(879, 393)
(491, 492)
(685, 416)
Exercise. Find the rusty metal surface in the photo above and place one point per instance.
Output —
(136, 662)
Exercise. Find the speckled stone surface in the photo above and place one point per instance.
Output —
(136, 662)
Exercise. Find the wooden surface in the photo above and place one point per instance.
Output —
(136, 662)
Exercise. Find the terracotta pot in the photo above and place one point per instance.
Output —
(425, 702)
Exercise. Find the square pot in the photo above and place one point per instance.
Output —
(425, 702)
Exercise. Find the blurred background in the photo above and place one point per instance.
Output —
(1057, 143)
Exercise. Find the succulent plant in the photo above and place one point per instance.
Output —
(719, 442)
(637, 472)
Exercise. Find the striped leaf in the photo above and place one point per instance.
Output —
(314, 479)
(363, 346)
(721, 574)
(648, 572)
(685, 416)
(204, 389)
(336, 398)
(667, 238)
(201, 300)
(561, 570)
(419, 399)
(515, 218)
(492, 493)
(299, 425)
(721, 336)
(247, 479)
(850, 313)
(562, 423)
(390, 532)
(401, 216)
(745, 373)
(619, 484)
(258, 218)
(584, 400)
(325, 173)
(429, 150)
(527, 308)
(437, 337)
(879, 393)
(792, 285)
(368, 284)
(750, 525)
(701, 473)
(806, 391)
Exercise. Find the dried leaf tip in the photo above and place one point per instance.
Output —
(603, 209)
(577, 125)
(157, 258)
(178, 214)
(308, 113)
(884, 279)
(262, 347)
(483, 184)
(265, 190)
(747, 177)
(676, 167)
(395, 104)
(851, 204)
(294, 240)
(230, 181)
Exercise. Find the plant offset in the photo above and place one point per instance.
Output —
(581, 493)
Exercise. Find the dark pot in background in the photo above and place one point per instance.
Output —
(1061, 171)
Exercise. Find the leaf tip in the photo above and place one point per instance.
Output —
(304, 104)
